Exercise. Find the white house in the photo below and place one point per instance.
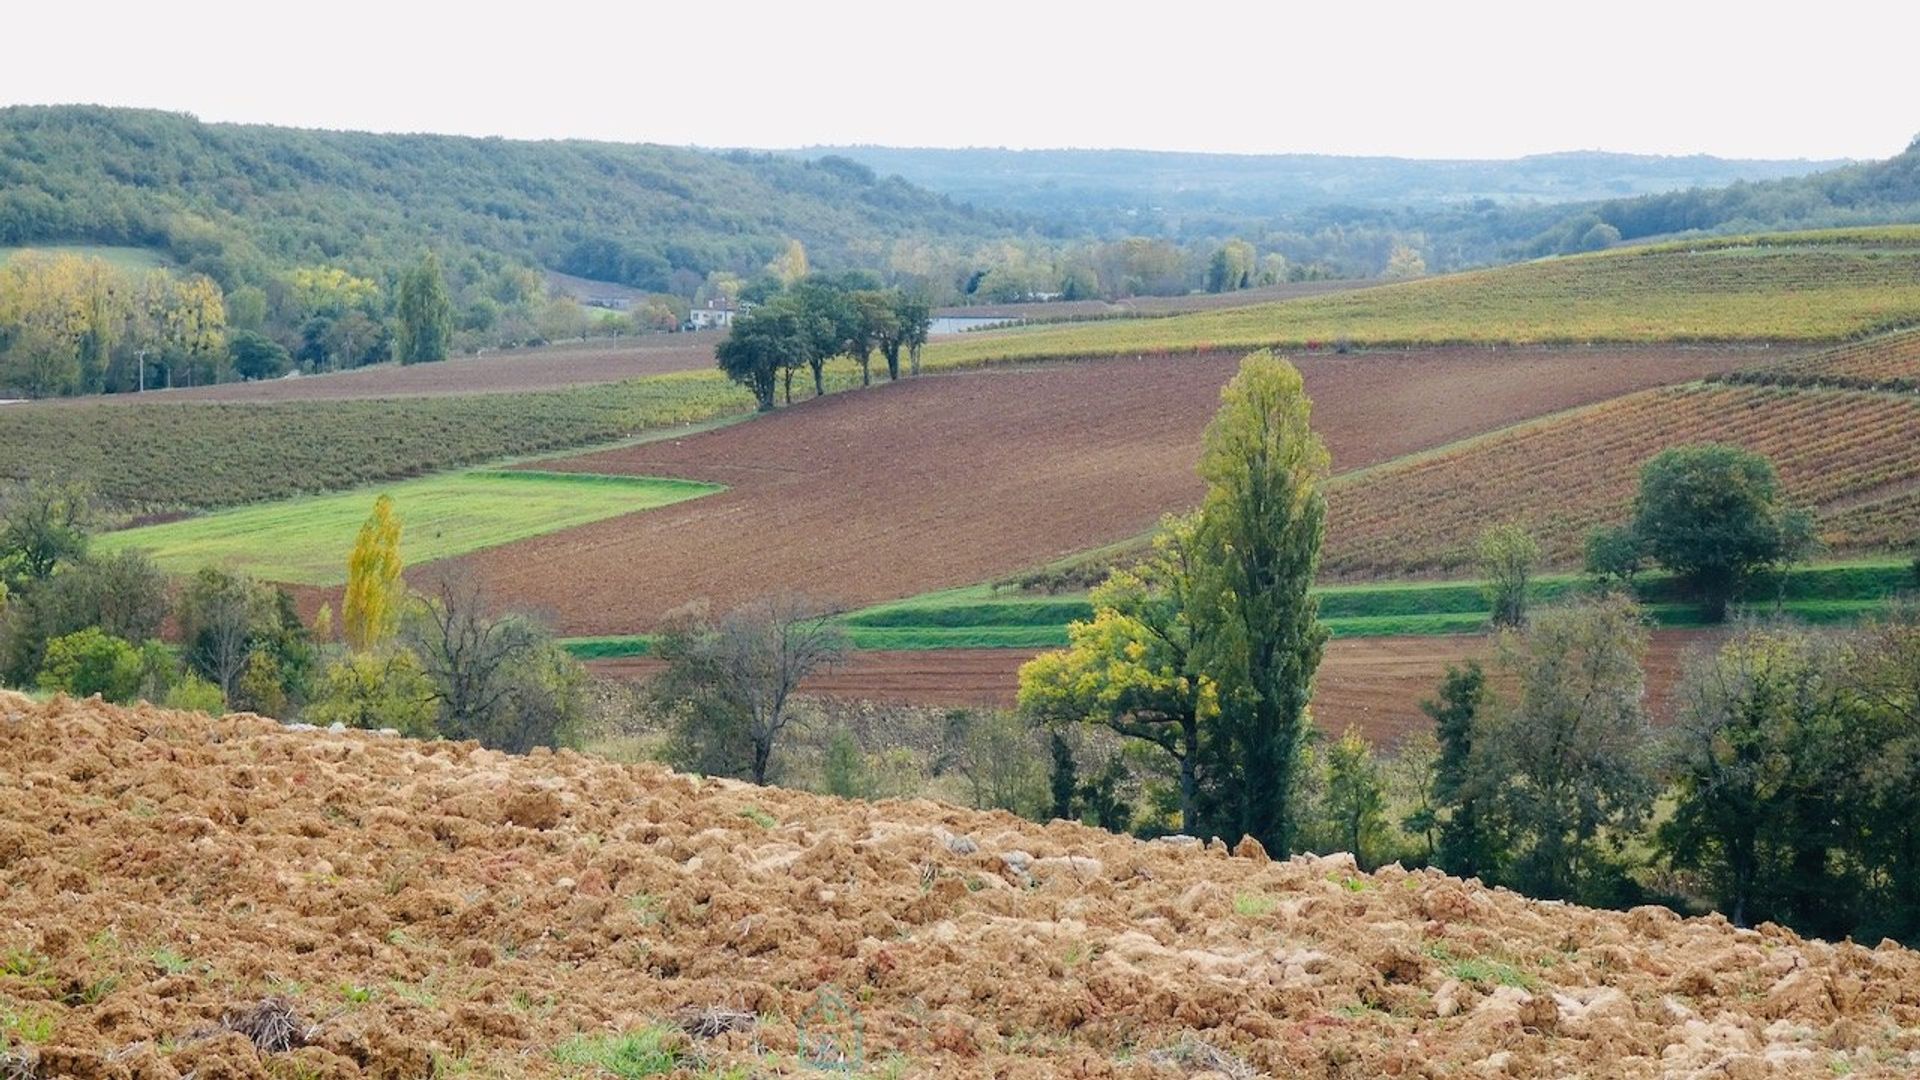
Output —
(716, 313)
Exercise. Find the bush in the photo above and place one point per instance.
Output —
(91, 662)
(375, 691)
(195, 694)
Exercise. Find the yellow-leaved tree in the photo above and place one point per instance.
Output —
(371, 608)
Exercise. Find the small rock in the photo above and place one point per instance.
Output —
(1249, 848)
(1447, 999)
(337, 728)
(1017, 861)
(1179, 840)
(301, 727)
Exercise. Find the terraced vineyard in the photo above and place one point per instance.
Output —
(1836, 450)
(1811, 287)
(1887, 362)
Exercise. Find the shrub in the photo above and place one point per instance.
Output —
(91, 662)
(195, 694)
(374, 691)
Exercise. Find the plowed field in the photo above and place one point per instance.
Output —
(185, 897)
(1375, 684)
(948, 480)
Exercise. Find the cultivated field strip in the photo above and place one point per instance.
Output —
(1817, 287)
(1565, 475)
(1886, 362)
(946, 481)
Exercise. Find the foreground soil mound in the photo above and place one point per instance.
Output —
(182, 896)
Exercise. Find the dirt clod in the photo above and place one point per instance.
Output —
(349, 906)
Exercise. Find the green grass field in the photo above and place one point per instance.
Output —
(126, 258)
(306, 541)
(1814, 286)
(987, 617)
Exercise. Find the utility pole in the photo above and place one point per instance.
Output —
(141, 356)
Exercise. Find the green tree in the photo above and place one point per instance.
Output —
(44, 521)
(1468, 845)
(498, 679)
(1356, 798)
(760, 344)
(1133, 667)
(1570, 764)
(1507, 555)
(1063, 781)
(252, 356)
(387, 689)
(833, 324)
(1232, 267)
(123, 595)
(370, 610)
(191, 693)
(877, 325)
(1759, 757)
(914, 314)
(90, 662)
(732, 682)
(1714, 516)
(1613, 556)
(423, 330)
(1258, 631)
(223, 619)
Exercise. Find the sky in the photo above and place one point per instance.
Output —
(1433, 79)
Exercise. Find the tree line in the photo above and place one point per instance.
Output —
(817, 318)
(1788, 779)
(437, 661)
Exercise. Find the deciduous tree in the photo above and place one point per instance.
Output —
(1507, 554)
(1258, 633)
(1571, 761)
(1715, 516)
(732, 681)
(423, 330)
(370, 610)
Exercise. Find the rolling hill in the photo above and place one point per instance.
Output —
(1805, 287)
(235, 201)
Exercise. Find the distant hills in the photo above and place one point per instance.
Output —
(241, 201)
(245, 203)
(1122, 187)
(1458, 213)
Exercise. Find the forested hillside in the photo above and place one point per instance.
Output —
(238, 202)
(1874, 193)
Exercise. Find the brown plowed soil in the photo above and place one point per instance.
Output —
(182, 896)
(549, 367)
(1375, 684)
(953, 479)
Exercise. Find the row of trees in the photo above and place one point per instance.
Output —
(73, 324)
(816, 319)
(77, 324)
(1791, 772)
(438, 662)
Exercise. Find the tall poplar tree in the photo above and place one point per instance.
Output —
(425, 330)
(371, 608)
(1259, 634)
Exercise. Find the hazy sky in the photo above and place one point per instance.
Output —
(1431, 79)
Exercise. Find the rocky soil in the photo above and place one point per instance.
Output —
(189, 897)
